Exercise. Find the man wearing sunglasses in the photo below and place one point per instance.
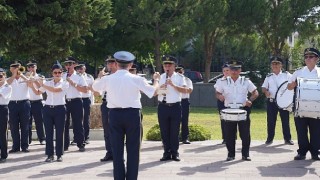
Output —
(36, 103)
(5, 94)
(304, 124)
(74, 104)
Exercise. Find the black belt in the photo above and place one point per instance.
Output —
(19, 101)
(34, 101)
(184, 98)
(169, 104)
(85, 98)
(3, 105)
(72, 99)
(53, 106)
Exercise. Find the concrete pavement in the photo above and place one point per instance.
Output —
(200, 160)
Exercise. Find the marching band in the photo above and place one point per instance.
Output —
(69, 96)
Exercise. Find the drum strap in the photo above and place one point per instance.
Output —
(318, 71)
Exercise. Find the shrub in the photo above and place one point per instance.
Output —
(196, 133)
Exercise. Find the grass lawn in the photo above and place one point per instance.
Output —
(209, 118)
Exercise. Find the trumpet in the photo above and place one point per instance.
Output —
(21, 70)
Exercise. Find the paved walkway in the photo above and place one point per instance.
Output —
(200, 160)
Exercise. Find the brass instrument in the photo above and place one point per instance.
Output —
(21, 70)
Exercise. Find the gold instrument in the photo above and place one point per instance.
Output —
(21, 69)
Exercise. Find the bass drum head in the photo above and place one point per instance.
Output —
(284, 97)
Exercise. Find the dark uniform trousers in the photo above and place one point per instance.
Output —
(105, 124)
(86, 117)
(19, 119)
(75, 108)
(302, 126)
(36, 114)
(169, 117)
(185, 105)
(4, 111)
(125, 123)
(272, 112)
(220, 105)
(54, 116)
(244, 131)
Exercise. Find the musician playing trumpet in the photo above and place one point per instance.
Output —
(269, 87)
(304, 124)
(19, 108)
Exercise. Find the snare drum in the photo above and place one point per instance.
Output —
(233, 114)
(308, 98)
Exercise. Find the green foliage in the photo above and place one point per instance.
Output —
(198, 133)
(154, 133)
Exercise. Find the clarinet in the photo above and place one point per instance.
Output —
(164, 95)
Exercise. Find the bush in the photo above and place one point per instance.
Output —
(154, 133)
(196, 133)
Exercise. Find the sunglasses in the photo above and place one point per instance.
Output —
(55, 72)
(68, 64)
(309, 57)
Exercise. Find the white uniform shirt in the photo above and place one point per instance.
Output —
(172, 95)
(33, 96)
(5, 94)
(189, 86)
(20, 90)
(123, 89)
(218, 83)
(273, 81)
(305, 73)
(55, 98)
(235, 92)
(89, 80)
(72, 92)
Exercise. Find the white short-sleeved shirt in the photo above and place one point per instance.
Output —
(55, 98)
(5, 94)
(89, 80)
(33, 96)
(235, 92)
(123, 89)
(20, 90)
(304, 72)
(172, 95)
(189, 86)
(273, 81)
(72, 92)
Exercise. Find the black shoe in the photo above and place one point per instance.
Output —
(186, 141)
(25, 150)
(289, 142)
(14, 150)
(224, 142)
(268, 142)
(43, 142)
(108, 157)
(65, 149)
(315, 157)
(87, 141)
(3, 160)
(230, 158)
(73, 143)
(49, 159)
(299, 157)
(246, 158)
(176, 158)
(59, 159)
(165, 158)
(82, 149)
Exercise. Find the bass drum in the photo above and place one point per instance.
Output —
(284, 97)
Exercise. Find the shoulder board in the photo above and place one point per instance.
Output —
(299, 68)
(41, 76)
(78, 74)
(181, 75)
(7, 85)
(270, 74)
(223, 79)
(286, 72)
(89, 75)
(246, 79)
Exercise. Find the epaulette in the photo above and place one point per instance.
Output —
(89, 75)
(7, 85)
(41, 76)
(299, 68)
(180, 74)
(270, 74)
(78, 74)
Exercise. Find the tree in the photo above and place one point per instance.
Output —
(209, 20)
(45, 29)
(154, 23)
